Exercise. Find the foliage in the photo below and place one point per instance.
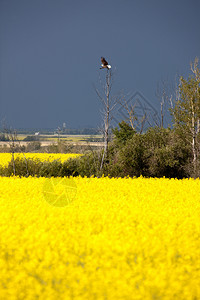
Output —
(134, 157)
(37, 164)
(66, 147)
(186, 114)
(168, 155)
(123, 133)
(47, 165)
(6, 157)
(31, 138)
(157, 153)
(33, 146)
(3, 137)
(188, 106)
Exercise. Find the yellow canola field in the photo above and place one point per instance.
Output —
(6, 157)
(99, 238)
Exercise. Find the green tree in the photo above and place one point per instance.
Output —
(186, 113)
(123, 133)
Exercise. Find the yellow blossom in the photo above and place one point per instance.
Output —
(115, 239)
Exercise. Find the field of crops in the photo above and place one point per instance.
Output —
(99, 238)
(6, 157)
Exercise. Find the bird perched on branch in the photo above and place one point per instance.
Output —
(105, 64)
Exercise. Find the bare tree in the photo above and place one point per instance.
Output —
(58, 132)
(195, 102)
(164, 95)
(11, 137)
(15, 146)
(108, 104)
(133, 119)
(196, 71)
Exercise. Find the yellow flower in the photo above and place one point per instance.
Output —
(5, 158)
(111, 238)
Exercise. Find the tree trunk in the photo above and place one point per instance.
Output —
(106, 119)
(194, 141)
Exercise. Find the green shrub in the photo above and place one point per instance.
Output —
(158, 152)
(31, 138)
(87, 165)
(122, 134)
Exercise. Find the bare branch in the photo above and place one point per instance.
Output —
(109, 103)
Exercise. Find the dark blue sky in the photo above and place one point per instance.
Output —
(50, 54)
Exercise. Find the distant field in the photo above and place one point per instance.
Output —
(46, 140)
(70, 138)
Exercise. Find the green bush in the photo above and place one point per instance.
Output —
(122, 134)
(131, 160)
(31, 138)
(87, 165)
(3, 137)
(158, 152)
(33, 146)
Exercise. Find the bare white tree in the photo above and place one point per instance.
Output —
(132, 118)
(108, 104)
(164, 95)
(168, 93)
(15, 145)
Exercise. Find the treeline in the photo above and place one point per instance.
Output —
(158, 152)
(50, 131)
(36, 147)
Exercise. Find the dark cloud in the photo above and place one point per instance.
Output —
(50, 54)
